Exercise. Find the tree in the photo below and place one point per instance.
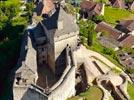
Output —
(29, 9)
(107, 51)
(104, 1)
(11, 27)
(128, 1)
(90, 38)
(98, 19)
(3, 21)
(70, 9)
(8, 10)
(130, 70)
(87, 30)
(90, 30)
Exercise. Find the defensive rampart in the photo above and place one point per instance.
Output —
(64, 88)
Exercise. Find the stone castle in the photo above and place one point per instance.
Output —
(46, 66)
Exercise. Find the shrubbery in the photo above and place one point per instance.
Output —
(130, 70)
(11, 27)
(128, 1)
(98, 19)
(87, 30)
(128, 49)
(111, 53)
(107, 51)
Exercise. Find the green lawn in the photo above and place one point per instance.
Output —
(96, 46)
(130, 90)
(115, 14)
(111, 98)
(104, 1)
(93, 93)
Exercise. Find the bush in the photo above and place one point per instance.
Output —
(105, 34)
(103, 1)
(98, 19)
(107, 51)
(128, 49)
(128, 1)
(115, 70)
(70, 9)
(83, 40)
(87, 30)
(111, 53)
(130, 70)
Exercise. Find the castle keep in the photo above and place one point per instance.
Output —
(46, 64)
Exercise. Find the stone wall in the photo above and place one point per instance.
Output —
(26, 68)
(55, 45)
(27, 52)
(42, 54)
(46, 51)
(64, 88)
(119, 92)
(19, 92)
(34, 94)
(62, 41)
(51, 54)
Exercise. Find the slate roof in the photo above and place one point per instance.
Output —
(128, 24)
(51, 22)
(39, 8)
(91, 6)
(128, 41)
(29, 64)
(38, 31)
(118, 3)
(87, 5)
(98, 8)
(104, 27)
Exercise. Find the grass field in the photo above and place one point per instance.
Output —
(130, 90)
(96, 46)
(111, 98)
(115, 14)
(106, 1)
(93, 93)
